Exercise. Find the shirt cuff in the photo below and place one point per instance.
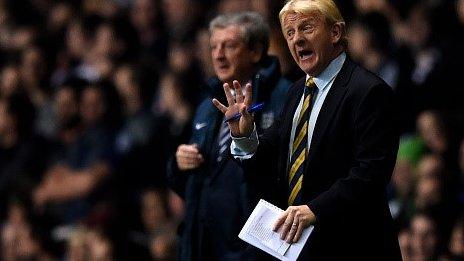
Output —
(243, 148)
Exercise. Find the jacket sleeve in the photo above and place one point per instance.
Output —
(376, 144)
(262, 169)
(176, 178)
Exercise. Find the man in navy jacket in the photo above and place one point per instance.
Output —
(218, 199)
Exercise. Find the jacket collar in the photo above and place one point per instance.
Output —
(263, 81)
(330, 72)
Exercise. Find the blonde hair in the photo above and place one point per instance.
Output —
(327, 8)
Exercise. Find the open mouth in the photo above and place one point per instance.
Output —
(304, 54)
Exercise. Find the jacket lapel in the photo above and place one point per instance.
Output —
(330, 105)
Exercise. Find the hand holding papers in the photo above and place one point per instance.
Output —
(258, 232)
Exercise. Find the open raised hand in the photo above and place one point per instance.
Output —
(244, 126)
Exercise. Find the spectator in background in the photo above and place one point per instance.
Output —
(203, 172)
(427, 60)
(163, 246)
(139, 139)
(89, 244)
(403, 181)
(156, 223)
(77, 245)
(203, 53)
(429, 193)
(174, 106)
(33, 69)
(86, 163)
(77, 41)
(430, 166)
(22, 154)
(65, 107)
(10, 80)
(442, 139)
(404, 238)
(147, 20)
(20, 239)
(424, 238)
(180, 17)
(432, 130)
(433, 195)
(456, 242)
(372, 46)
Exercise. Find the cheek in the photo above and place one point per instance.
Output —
(291, 47)
(234, 59)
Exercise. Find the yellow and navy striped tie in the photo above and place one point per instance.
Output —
(300, 145)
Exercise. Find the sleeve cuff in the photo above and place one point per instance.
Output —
(243, 148)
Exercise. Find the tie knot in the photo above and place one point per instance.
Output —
(310, 83)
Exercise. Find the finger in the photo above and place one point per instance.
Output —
(185, 164)
(192, 163)
(248, 95)
(245, 113)
(188, 153)
(299, 231)
(229, 96)
(238, 92)
(190, 156)
(280, 221)
(220, 106)
(292, 231)
(287, 224)
(188, 149)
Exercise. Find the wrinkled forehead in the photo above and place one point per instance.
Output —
(229, 32)
(295, 17)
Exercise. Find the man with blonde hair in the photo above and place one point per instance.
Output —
(330, 155)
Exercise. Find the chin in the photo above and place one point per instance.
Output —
(310, 69)
(225, 77)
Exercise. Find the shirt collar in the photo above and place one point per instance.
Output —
(326, 76)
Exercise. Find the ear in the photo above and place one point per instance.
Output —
(337, 31)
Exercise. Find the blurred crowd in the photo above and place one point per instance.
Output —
(95, 95)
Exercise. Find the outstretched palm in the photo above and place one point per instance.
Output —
(244, 126)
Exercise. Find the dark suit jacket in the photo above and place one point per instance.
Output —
(351, 158)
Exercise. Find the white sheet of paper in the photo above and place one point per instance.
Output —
(257, 231)
(261, 229)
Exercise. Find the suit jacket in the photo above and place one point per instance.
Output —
(350, 161)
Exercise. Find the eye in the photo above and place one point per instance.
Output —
(290, 33)
(231, 44)
(308, 28)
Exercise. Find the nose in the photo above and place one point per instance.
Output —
(299, 38)
(218, 52)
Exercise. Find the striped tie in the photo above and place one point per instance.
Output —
(224, 138)
(300, 144)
